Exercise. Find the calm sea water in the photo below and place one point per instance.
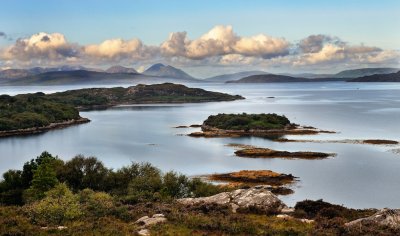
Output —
(359, 176)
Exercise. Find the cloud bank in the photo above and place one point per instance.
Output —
(220, 46)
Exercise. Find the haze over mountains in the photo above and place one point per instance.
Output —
(160, 73)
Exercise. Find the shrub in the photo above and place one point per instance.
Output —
(96, 203)
(59, 205)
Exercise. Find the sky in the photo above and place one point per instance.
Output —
(202, 37)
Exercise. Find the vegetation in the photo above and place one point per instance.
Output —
(247, 121)
(32, 110)
(83, 197)
(131, 184)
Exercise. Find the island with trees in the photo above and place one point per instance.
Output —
(264, 125)
(39, 112)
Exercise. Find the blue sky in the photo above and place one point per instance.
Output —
(373, 23)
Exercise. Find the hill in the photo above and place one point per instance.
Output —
(234, 76)
(161, 70)
(364, 72)
(270, 78)
(121, 69)
(392, 77)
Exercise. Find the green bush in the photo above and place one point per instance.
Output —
(59, 205)
(96, 204)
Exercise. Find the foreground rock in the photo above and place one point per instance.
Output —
(384, 217)
(270, 153)
(257, 198)
(254, 176)
(146, 221)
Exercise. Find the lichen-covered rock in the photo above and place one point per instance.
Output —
(257, 198)
(385, 217)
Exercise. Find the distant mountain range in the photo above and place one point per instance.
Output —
(159, 73)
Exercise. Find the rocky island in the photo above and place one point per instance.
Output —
(255, 152)
(262, 125)
(38, 112)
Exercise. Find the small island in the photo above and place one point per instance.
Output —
(255, 177)
(255, 152)
(38, 112)
(264, 125)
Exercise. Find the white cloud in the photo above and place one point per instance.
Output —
(41, 46)
(221, 40)
(219, 47)
(118, 49)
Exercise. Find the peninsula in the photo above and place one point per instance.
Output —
(39, 112)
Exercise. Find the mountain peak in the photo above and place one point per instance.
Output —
(168, 71)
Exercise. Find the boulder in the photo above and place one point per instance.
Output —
(384, 217)
(258, 197)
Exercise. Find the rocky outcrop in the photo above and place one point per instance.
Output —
(146, 221)
(258, 198)
(270, 153)
(254, 176)
(384, 217)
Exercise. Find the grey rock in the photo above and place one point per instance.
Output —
(144, 232)
(146, 221)
(385, 217)
(258, 197)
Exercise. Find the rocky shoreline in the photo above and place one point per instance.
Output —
(212, 132)
(37, 130)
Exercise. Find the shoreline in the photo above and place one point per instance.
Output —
(38, 130)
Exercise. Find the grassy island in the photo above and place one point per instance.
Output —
(38, 112)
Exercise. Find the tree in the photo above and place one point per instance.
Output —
(44, 179)
(11, 188)
(80, 173)
(30, 167)
(147, 185)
